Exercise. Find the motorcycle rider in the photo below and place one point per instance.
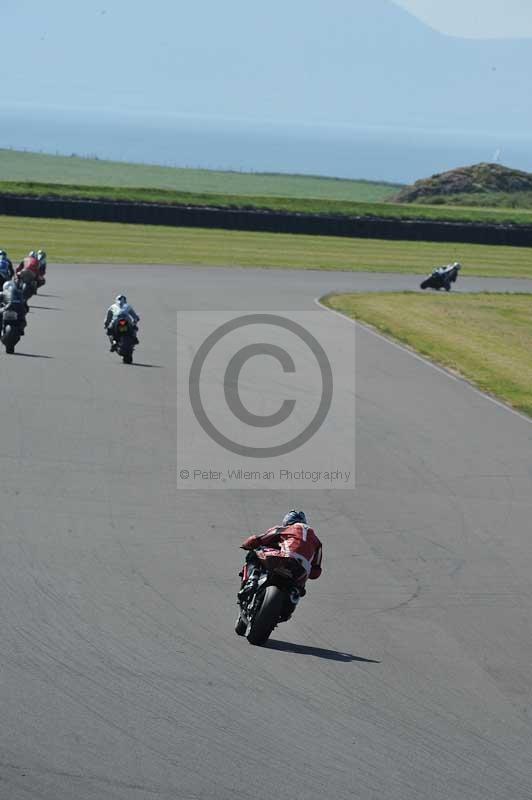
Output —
(12, 296)
(41, 258)
(293, 539)
(6, 268)
(28, 269)
(446, 272)
(447, 268)
(120, 309)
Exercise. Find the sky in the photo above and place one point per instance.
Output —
(343, 66)
(474, 18)
(353, 62)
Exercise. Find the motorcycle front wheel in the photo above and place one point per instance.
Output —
(240, 626)
(267, 616)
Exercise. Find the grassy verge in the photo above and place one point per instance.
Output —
(487, 338)
(68, 241)
(304, 205)
(296, 204)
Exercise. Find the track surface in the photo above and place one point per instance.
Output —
(406, 671)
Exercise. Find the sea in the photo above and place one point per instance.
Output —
(392, 154)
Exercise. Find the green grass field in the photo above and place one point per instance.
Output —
(487, 338)
(18, 166)
(102, 242)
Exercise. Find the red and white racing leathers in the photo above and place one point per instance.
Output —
(28, 269)
(296, 541)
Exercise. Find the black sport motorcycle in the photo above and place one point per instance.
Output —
(125, 339)
(269, 596)
(13, 316)
(439, 279)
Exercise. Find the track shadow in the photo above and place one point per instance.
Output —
(150, 366)
(30, 355)
(48, 295)
(46, 308)
(319, 652)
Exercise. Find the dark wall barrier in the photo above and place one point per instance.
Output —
(270, 221)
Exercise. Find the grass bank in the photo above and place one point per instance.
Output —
(355, 207)
(68, 241)
(487, 338)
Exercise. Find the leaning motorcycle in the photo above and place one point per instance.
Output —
(438, 280)
(125, 339)
(269, 597)
(11, 326)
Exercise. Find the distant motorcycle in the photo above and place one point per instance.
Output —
(125, 339)
(442, 277)
(12, 320)
(270, 599)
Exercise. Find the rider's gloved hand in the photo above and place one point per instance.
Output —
(250, 543)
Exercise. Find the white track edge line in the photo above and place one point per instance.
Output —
(426, 361)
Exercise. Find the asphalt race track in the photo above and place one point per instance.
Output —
(405, 673)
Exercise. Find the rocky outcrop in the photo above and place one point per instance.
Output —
(479, 178)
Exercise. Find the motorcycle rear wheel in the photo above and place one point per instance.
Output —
(9, 339)
(267, 616)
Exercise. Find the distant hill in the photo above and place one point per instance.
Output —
(479, 182)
